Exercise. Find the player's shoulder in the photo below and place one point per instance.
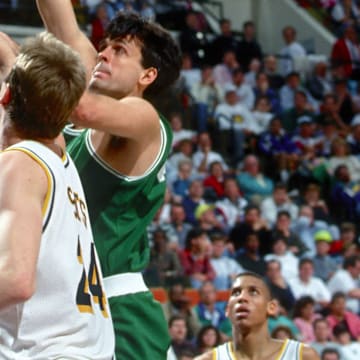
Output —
(309, 353)
(206, 356)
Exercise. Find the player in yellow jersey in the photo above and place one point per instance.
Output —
(248, 308)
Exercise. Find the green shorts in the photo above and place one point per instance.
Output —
(141, 331)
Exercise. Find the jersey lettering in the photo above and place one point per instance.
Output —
(90, 286)
(79, 204)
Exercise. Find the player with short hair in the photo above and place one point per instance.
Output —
(249, 306)
(52, 300)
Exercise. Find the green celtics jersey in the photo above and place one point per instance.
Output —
(120, 207)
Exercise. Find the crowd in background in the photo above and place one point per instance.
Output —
(264, 176)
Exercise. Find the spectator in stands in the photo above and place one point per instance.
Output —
(164, 267)
(312, 197)
(179, 133)
(306, 227)
(307, 284)
(183, 180)
(263, 88)
(280, 252)
(323, 336)
(226, 40)
(214, 183)
(210, 311)
(178, 226)
(248, 257)
(194, 198)
(189, 74)
(193, 40)
(223, 71)
(244, 91)
(184, 152)
(353, 138)
(282, 320)
(250, 75)
(346, 239)
(319, 83)
(283, 229)
(195, 259)
(252, 181)
(340, 156)
(345, 13)
(347, 280)
(350, 350)
(98, 24)
(327, 132)
(262, 114)
(305, 137)
(206, 94)
(324, 265)
(291, 51)
(253, 223)
(345, 100)
(235, 123)
(282, 332)
(147, 11)
(279, 201)
(330, 113)
(179, 304)
(205, 155)
(279, 150)
(225, 267)
(345, 53)
(338, 314)
(301, 107)
(248, 47)
(279, 287)
(330, 354)
(210, 219)
(304, 316)
(276, 80)
(345, 195)
(178, 335)
(232, 205)
(208, 337)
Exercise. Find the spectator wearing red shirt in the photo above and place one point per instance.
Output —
(195, 258)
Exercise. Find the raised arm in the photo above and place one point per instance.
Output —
(8, 53)
(59, 18)
(23, 186)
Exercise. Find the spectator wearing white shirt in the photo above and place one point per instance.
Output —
(279, 201)
(204, 155)
(179, 133)
(223, 72)
(235, 120)
(246, 95)
(305, 284)
(289, 262)
(233, 204)
(290, 51)
(347, 280)
(225, 267)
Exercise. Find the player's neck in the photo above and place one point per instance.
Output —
(252, 344)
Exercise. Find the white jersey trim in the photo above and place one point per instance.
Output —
(116, 173)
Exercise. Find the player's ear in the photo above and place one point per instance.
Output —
(272, 307)
(5, 95)
(148, 76)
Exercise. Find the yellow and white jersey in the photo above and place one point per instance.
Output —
(291, 350)
(68, 315)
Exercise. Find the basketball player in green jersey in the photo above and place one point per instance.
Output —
(249, 306)
(121, 161)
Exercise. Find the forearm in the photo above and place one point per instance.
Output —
(8, 53)
(59, 18)
(16, 280)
